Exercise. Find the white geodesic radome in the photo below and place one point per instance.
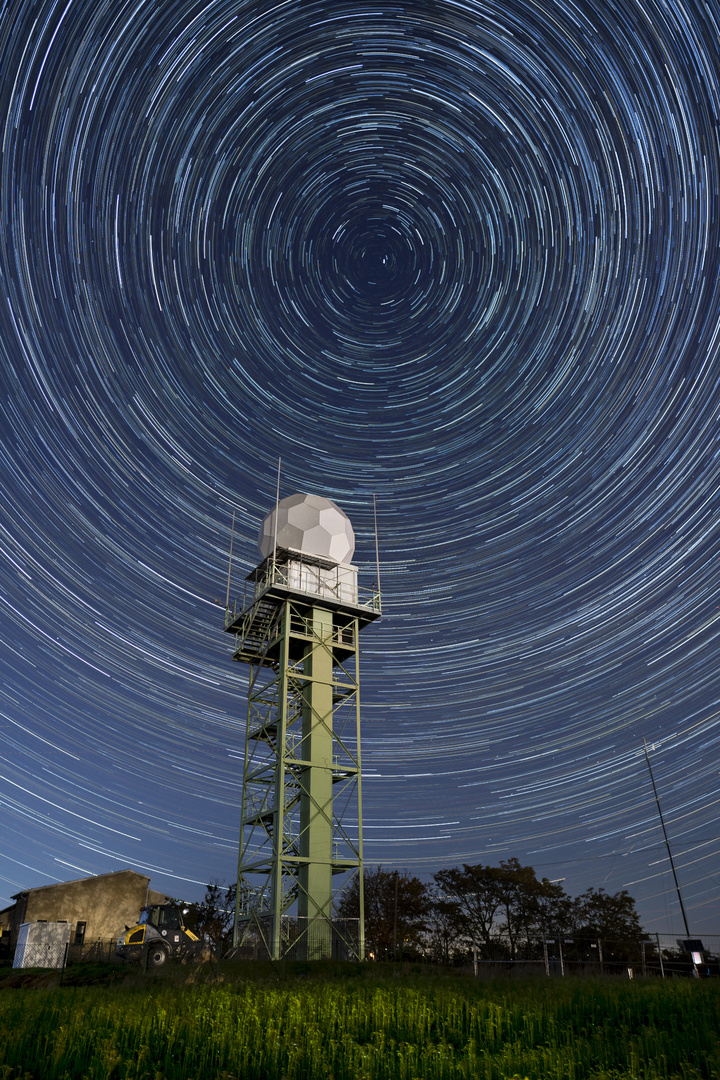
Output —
(310, 524)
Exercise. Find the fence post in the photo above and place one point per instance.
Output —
(644, 969)
(545, 955)
(64, 961)
(662, 966)
(475, 960)
(562, 962)
(602, 965)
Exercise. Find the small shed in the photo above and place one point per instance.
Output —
(41, 945)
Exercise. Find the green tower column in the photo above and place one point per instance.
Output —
(316, 784)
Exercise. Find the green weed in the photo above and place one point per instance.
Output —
(334, 1025)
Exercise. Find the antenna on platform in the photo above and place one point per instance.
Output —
(277, 504)
(377, 550)
(232, 534)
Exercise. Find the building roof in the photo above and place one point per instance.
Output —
(73, 881)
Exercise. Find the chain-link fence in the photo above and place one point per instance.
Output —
(662, 955)
(57, 955)
(93, 952)
(300, 939)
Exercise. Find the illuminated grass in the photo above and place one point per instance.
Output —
(374, 1026)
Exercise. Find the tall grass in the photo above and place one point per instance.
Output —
(366, 1028)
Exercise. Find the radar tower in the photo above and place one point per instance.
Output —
(301, 816)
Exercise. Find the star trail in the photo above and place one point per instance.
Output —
(460, 256)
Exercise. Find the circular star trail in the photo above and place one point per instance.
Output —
(461, 256)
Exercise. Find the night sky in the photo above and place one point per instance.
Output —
(462, 256)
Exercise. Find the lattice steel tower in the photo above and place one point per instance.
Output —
(301, 820)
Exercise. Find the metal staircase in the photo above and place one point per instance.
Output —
(254, 635)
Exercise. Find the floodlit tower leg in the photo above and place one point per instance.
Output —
(361, 875)
(279, 826)
(316, 821)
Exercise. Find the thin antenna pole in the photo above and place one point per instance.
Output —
(232, 534)
(667, 842)
(277, 504)
(377, 550)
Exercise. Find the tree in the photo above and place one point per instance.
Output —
(520, 892)
(470, 900)
(608, 916)
(212, 918)
(442, 935)
(484, 901)
(396, 905)
(533, 908)
(552, 910)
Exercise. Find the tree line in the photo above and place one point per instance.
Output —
(478, 907)
(464, 908)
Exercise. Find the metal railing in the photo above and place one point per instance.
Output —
(331, 581)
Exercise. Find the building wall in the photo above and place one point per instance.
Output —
(105, 904)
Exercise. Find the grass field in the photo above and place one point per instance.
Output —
(352, 1022)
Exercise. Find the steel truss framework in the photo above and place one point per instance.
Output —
(301, 818)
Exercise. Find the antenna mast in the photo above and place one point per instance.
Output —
(667, 842)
